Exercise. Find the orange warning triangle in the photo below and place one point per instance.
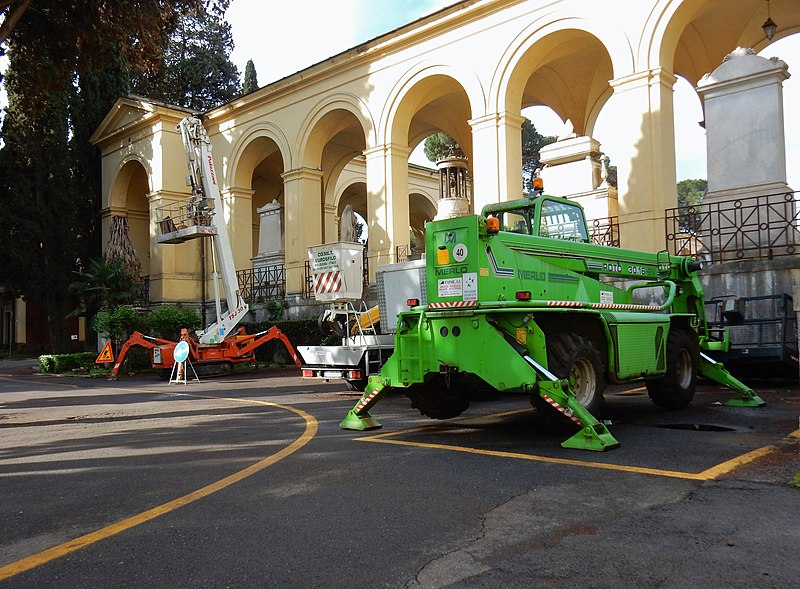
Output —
(106, 355)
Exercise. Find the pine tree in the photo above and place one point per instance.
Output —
(196, 71)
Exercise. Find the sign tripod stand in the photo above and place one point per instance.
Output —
(181, 357)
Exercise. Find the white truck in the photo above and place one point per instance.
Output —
(367, 334)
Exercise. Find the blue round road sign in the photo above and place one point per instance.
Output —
(181, 352)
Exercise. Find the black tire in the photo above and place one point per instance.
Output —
(357, 385)
(439, 397)
(675, 390)
(574, 356)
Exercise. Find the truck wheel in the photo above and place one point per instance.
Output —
(676, 389)
(436, 399)
(357, 385)
(573, 356)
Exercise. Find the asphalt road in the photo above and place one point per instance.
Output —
(247, 481)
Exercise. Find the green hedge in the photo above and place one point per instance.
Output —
(58, 363)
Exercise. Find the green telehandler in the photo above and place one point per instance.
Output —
(519, 300)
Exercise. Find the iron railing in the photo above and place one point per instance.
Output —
(308, 281)
(267, 283)
(146, 289)
(605, 231)
(757, 227)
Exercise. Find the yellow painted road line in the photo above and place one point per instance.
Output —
(41, 381)
(45, 556)
(706, 475)
(635, 391)
(536, 458)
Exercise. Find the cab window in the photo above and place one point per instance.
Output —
(560, 220)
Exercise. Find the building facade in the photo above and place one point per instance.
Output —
(340, 132)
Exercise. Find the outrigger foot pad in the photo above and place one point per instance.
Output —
(592, 437)
(359, 422)
(746, 400)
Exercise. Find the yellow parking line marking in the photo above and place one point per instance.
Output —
(631, 391)
(706, 475)
(42, 381)
(70, 546)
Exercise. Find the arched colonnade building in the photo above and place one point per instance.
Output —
(341, 131)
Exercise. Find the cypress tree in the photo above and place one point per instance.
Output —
(250, 78)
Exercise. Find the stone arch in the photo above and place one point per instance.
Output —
(334, 134)
(129, 197)
(256, 143)
(691, 37)
(256, 172)
(565, 62)
(415, 105)
(328, 119)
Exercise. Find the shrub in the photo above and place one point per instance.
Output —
(59, 363)
(119, 323)
(168, 320)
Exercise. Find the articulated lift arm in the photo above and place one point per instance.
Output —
(203, 179)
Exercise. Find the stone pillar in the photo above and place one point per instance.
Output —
(496, 158)
(387, 203)
(643, 148)
(238, 217)
(303, 218)
(330, 225)
(174, 268)
(747, 158)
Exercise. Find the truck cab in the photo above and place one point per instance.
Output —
(543, 216)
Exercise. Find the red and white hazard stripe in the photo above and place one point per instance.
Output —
(327, 282)
(625, 307)
(620, 306)
(565, 410)
(452, 304)
(365, 401)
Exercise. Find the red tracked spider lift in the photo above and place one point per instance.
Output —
(221, 345)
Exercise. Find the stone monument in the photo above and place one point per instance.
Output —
(347, 224)
(270, 236)
(573, 168)
(743, 102)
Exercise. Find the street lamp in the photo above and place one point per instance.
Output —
(769, 26)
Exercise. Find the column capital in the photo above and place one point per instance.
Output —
(496, 119)
(113, 211)
(236, 192)
(166, 195)
(644, 78)
(302, 173)
(387, 150)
